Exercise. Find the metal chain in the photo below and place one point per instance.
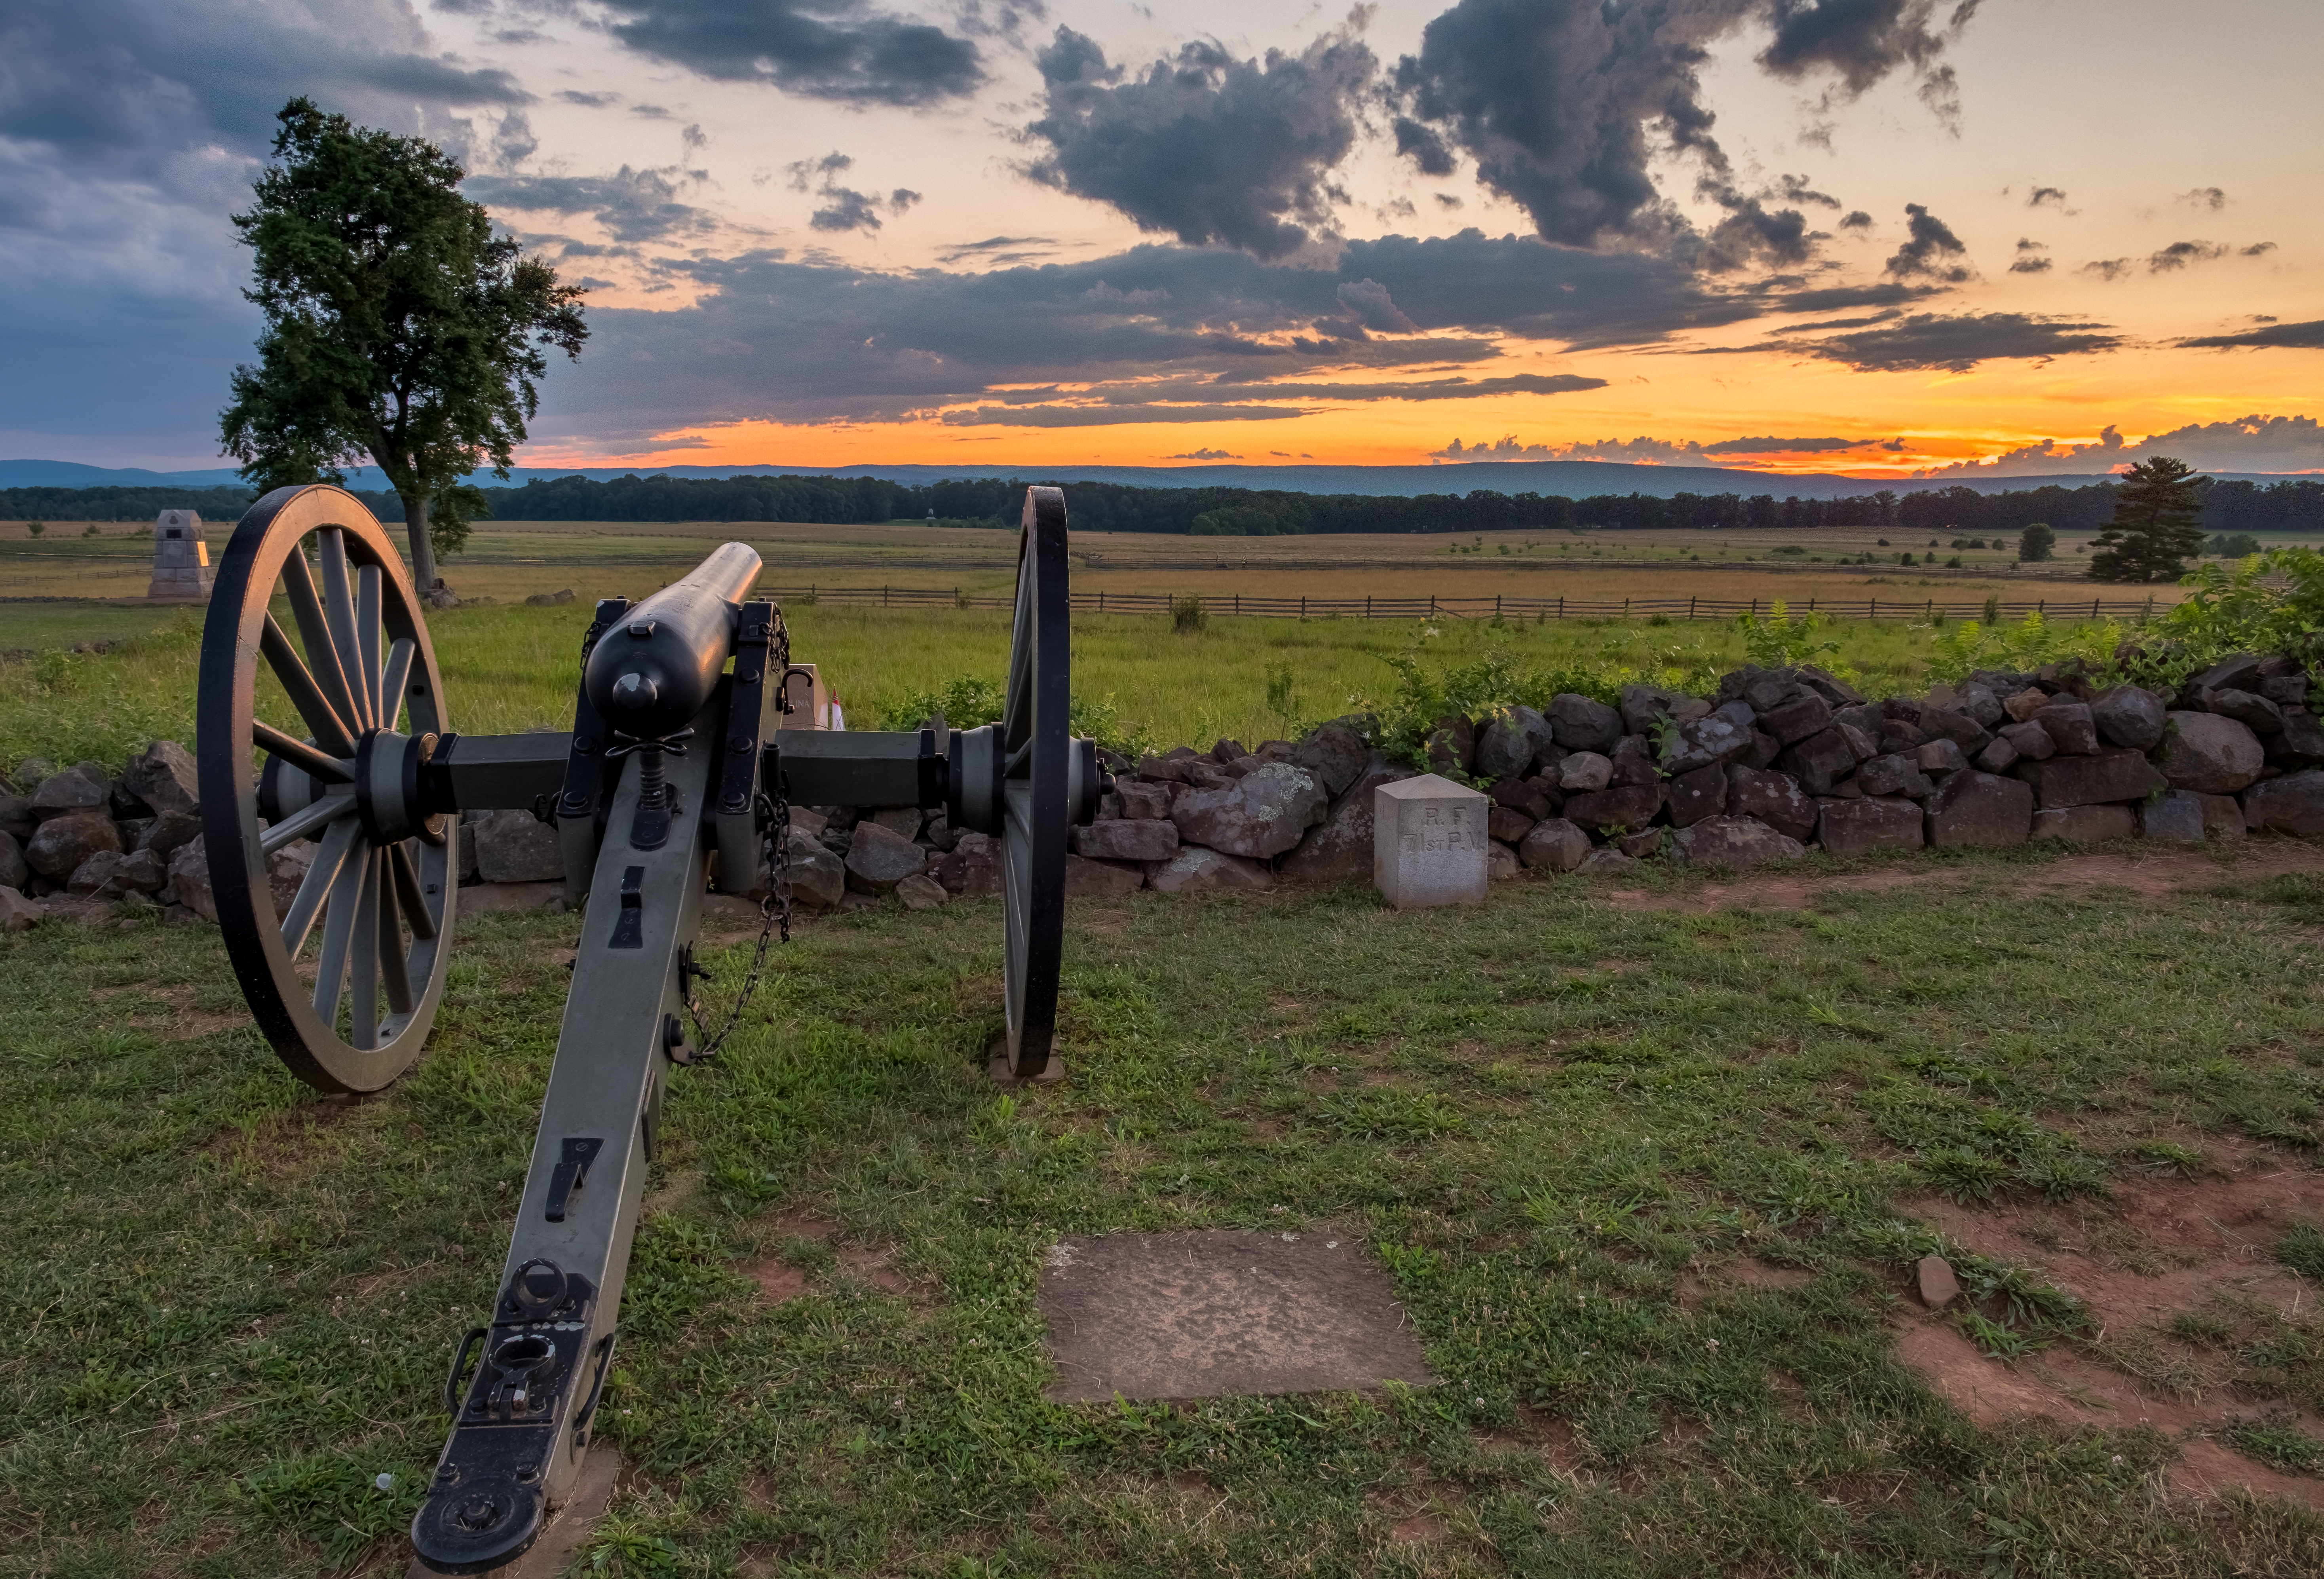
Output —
(775, 858)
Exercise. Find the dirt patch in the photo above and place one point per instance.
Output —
(184, 1021)
(873, 1265)
(778, 1281)
(1743, 1272)
(2164, 1248)
(2151, 874)
(1417, 1529)
(283, 1143)
(804, 1222)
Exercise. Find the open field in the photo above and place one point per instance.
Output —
(1649, 1171)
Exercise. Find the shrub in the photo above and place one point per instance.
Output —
(36, 527)
(1187, 615)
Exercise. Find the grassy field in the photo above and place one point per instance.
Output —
(1647, 1181)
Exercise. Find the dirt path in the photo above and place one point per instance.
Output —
(2152, 874)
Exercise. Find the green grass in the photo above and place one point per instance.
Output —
(231, 1303)
(514, 667)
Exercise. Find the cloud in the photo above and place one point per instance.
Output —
(1207, 455)
(841, 49)
(1368, 302)
(2051, 197)
(2207, 198)
(1794, 189)
(2179, 254)
(1066, 416)
(1862, 41)
(2259, 249)
(593, 101)
(2029, 260)
(1955, 342)
(2303, 337)
(848, 208)
(633, 204)
(2251, 444)
(1931, 243)
(1782, 445)
(999, 250)
(2106, 269)
(1856, 219)
(1205, 147)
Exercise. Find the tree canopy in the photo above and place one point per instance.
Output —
(2157, 525)
(398, 326)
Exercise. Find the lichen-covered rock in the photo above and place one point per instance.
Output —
(1710, 740)
(816, 875)
(1735, 842)
(1580, 722)
(2207, 753)
(1895, 774)
(1624, 806)
(878, 858)
(1263, 814)
(1141, 801)
(1980, 809)
(2094, 781)
(1142, 839)
(1339, 849)
(2293, 804)
(903, 821)
(1553, 844)
(1335, 753)
(1500, 862)
(1608, 861)
(920, 891)
(1584, 771)
(1696, 796)
(1196, 870)
(1850, 827)
(1771, 797)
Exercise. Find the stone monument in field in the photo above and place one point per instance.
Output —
(1429, 842)
(182, 558)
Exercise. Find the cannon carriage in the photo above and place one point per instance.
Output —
(675, 780)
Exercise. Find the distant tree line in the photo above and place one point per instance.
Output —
(2228, 507)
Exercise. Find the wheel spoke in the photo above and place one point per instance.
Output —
(363, 955)
(394, 968)
(304, 821)
(409, 892)
(316, 886)
(339, 607)
(368, 638)
(306, 695)
(393, 679)
(314, 763)
(338, 932)
(322, 655)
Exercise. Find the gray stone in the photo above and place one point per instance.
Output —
(903, 821)
(1339, 849)
(1740, 714)
(2070, 727)
(189, 877)
(63, 841)
(2030, 741)
(1501, 862)
(1736, 843)
(1805, 715)
(165, 778)
(1895, 774)
(878, 858)
(16, 815)
(1635, 763)
(1697, 795)
(1942, 724)
(807, 820)
(1997, 757)
(1865, 716)
(1941, 756)
(2093, 781)
(973, 870)
(2302, 743)
(1765, 749)
(1707, 741)
(110, 876)
(1554, 844)
(2177, 818)
(1242, 767)
(1429, 843)
(1624, 805)
(1506, 824)
(2085, 825)
(1834, 689)
(1642, 705)
(2129, 717)
(1532, 796)
(17, 913)
(1225, 751)
(1980, 809)
(1508, 744)
(1265, 813)
(1980, 705)
(1820, 760)
(2286, 690)
(70, 792)
(2255, 713)
(920, 891)
(1896, 736)
(1583, 771)
(943, 836)
(1452, 745)
(2239, 672)
(1143, 839)
(516, 846)
(816, 875)
(2025, 704)
(1641, 845)
(1165, 769)
(1142, 802)
(1938, 1285)
(1334, 753)
(14, 869)
(2205, 752)
(1850, 827)
(1578, 722)
(1774, 798)
(1607, 860)
(1194, 870)
(1088, 879)
(2223, 815)
(2293, 804)
(1861, 744)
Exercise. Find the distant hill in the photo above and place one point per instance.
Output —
(1573, 479)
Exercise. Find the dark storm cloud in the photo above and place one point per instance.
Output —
(633, 204)
(1205, 147)
(1925, 253)
(1424, 147)
(2303, 337)
(841, 49)
(1955, 342)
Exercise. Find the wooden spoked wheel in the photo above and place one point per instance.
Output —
(345, 982)
(1037, 750)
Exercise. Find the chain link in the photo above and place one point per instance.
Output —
(775, 860)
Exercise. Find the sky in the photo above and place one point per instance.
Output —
(1885, 237)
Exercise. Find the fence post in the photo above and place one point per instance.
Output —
(1496, 605)
(2041, 607)
(1690, 608)
(1625, 608)
(1561, 608)
(1812, 606)
(1431, 605)
(2094, 609)
(1367, 605)
(1929, 610)
(1875, 610)
(1303, 605)
(1238, 603)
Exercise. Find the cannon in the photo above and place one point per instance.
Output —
(674, 779)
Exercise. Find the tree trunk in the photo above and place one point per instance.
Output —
(423, 552)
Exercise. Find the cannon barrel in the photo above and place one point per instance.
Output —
(654, 671)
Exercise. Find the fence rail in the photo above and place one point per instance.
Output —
(1476, 608)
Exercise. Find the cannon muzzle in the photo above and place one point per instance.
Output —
(654, 671)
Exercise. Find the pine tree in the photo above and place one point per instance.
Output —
(2157, 525)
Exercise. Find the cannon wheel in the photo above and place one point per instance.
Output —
(1037, 748)
(361, 674)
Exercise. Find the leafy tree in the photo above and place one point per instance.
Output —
(398, 326)
(2157, 525)
(2036, 542)
(2232, 545)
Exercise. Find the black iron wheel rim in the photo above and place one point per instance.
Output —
(352, 640)
(1036, 744)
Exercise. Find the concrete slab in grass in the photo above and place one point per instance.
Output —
(1175, 1315)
